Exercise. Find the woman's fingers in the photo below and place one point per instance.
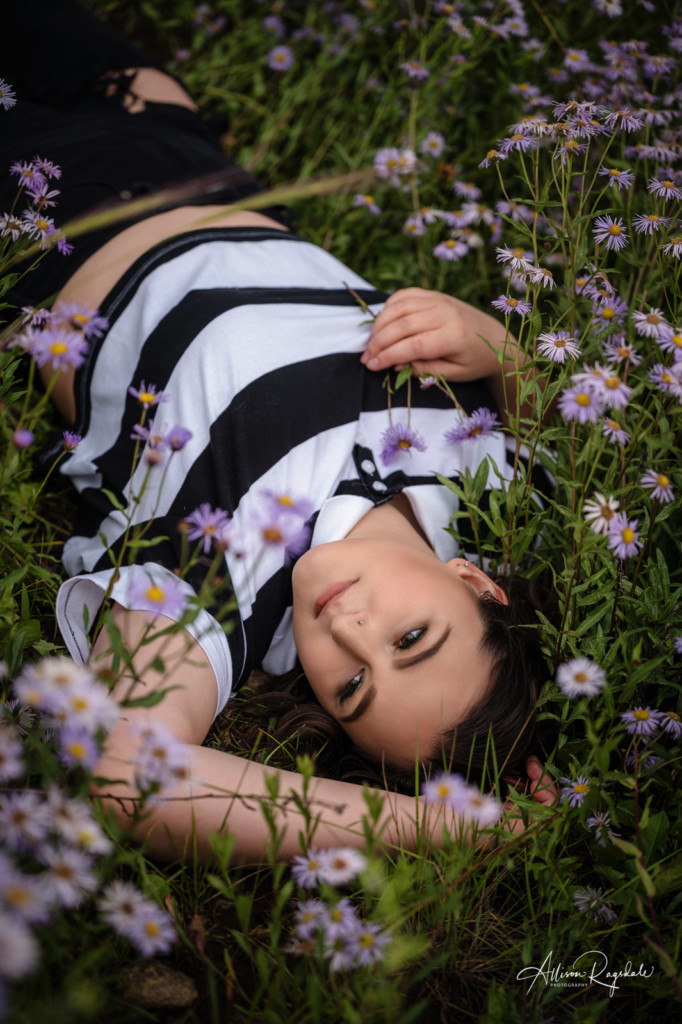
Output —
(542, 789)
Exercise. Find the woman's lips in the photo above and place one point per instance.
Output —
(330, 594)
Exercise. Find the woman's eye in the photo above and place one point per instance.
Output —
(351, 686)
(411, 638)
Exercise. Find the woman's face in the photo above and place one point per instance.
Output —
(389, 639)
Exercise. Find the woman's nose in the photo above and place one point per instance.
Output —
(351, 629)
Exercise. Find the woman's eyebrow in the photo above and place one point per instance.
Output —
(362, 706)
(426, 652)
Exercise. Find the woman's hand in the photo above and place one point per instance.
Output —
(542, 791)
(437, 334)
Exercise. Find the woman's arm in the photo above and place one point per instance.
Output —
(222, 791)
(443, 336)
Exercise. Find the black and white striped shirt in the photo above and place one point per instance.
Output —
(256, 339)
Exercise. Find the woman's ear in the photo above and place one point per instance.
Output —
(479, 581)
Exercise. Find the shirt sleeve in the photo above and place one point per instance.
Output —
(80, 599)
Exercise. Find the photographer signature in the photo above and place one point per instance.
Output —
(582, 973)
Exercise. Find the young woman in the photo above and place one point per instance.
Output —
(253, 340)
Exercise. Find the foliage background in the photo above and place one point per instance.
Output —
(465, 923)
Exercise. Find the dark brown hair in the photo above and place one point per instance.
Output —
(495, 737)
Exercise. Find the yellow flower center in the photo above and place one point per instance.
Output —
(151, 928)
(80, 704)
(580, 677)
(677, 340)
(642, 715)
(58, 348)
(674, 715)
(368, 198)
(366, 940)
(653, 319)
(516, 136)
(628, 535)
(668, 184)
(77, 749)
(583, 399)
(612, 383)
(606, 511)
(512, 302)
(580, 787)
(155, 593)
(404, 444)
(614, 172)
(560, 343)
(443, 789)
(662, 480)
(614, 229)
(677, 240)
(79, 318)
(608, 313)
(271, 535)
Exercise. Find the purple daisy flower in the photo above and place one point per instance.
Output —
(659, 485)
(22, 438)
(624, 120)
(280, 58)
(414, 70)
(369, 941)
(204, 523)
(433, 144)
(8, 97)
(507, 304)
(482, 423)
(642, 721)
(622, 179)
(450, 249)
(652, 324)
(306, 870)
(368, 202)
(648, 223)
(283, 503)
(610, 230)
(591, 901)
(664, 190)
(580, 403)
(147, 395)
(673, 247)
(57, 346)
(557, 345)
(282, 531)
(77, 748)
(575, 790)
(623, 538)
(615, 433)
(74, 316)
(677, 644)
(400, 440)
(164, 596)
(600, 823)
(71, 441)
(177, 437)
(672, 723)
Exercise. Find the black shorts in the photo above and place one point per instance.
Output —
(106, 154)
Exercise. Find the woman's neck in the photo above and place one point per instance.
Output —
(393, 518)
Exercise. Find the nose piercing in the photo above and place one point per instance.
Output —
(361, 622)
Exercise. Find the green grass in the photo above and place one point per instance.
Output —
(464, 923)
